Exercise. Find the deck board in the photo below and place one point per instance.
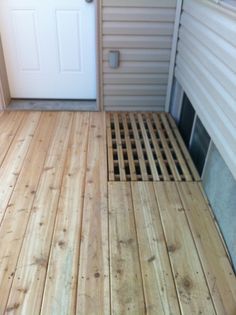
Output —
(71, 242)
(93, 281)
(192, 289)
(15, 221)
(62, 273)
(126, 278)
(33, 259)
(159, 287)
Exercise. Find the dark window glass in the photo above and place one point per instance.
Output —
(186, 119)
(199, 145)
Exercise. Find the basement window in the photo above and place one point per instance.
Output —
(199, 145)
(186, 120)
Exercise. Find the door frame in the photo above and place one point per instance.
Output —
(5, 97)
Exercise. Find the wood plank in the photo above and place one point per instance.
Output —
(14, 159)
(93, 283)
(129, 148)
(139, 148)
(28, 284)
(183, 148)
(148, 149)
(110, 149)
(61, 281)
(16, 218)
(167, 150)
(192, 289)
(119, 148)
(126, 280)
(176, 148)
(159, 287)
(218, 271)
(156, 146)
(9, 124)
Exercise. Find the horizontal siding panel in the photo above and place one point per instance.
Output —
(139, 42)
(223, 25)
(142, 31)
(209, 39)
(217, 68)
(138, 67)
(125, 14)
(137, 28)
(140, 101)
(130, 90)
(219, 95)
(143, 108)
(140, 3)
(141, 79)
(206, 69)
(210, 121)
(141, 54)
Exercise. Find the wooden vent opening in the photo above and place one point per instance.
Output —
(147, 147)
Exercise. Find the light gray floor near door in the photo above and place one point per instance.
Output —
(52, 105)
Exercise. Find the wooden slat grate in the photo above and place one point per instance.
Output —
(147, 147)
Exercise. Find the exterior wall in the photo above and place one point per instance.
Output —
(225, 206)
(142, 31)
(206, 69)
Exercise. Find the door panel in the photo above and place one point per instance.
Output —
(49, 48)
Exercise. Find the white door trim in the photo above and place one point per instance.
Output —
(5, 97)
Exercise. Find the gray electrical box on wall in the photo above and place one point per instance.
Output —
(114, 59)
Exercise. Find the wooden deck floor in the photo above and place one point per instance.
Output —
(71, 242)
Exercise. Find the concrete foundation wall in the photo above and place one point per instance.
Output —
(220, 187)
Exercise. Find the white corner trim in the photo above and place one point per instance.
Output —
(173, 53)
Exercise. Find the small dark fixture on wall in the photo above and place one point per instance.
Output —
(114, 59)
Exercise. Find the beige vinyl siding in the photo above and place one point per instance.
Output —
(206, 69)
(142, 31)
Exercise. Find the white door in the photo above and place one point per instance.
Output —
(49, 48)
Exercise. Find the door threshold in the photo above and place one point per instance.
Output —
(52, 105)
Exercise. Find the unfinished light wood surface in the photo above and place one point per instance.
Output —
(69, 246)
(146, 143)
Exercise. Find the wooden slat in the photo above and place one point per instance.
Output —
(192, 289)
(16, 218)
(126, 279)
(129, 149)
(218, 271)
(158, 151)
(139, 148)
(61, 280)
(93, 283)
(159, 288)
(165, 145)
(176, 148)
(148, 149)
(119, 148)
(14, 159)
(110, 149)
(28, 284)
(9, 123)
(183, 148)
